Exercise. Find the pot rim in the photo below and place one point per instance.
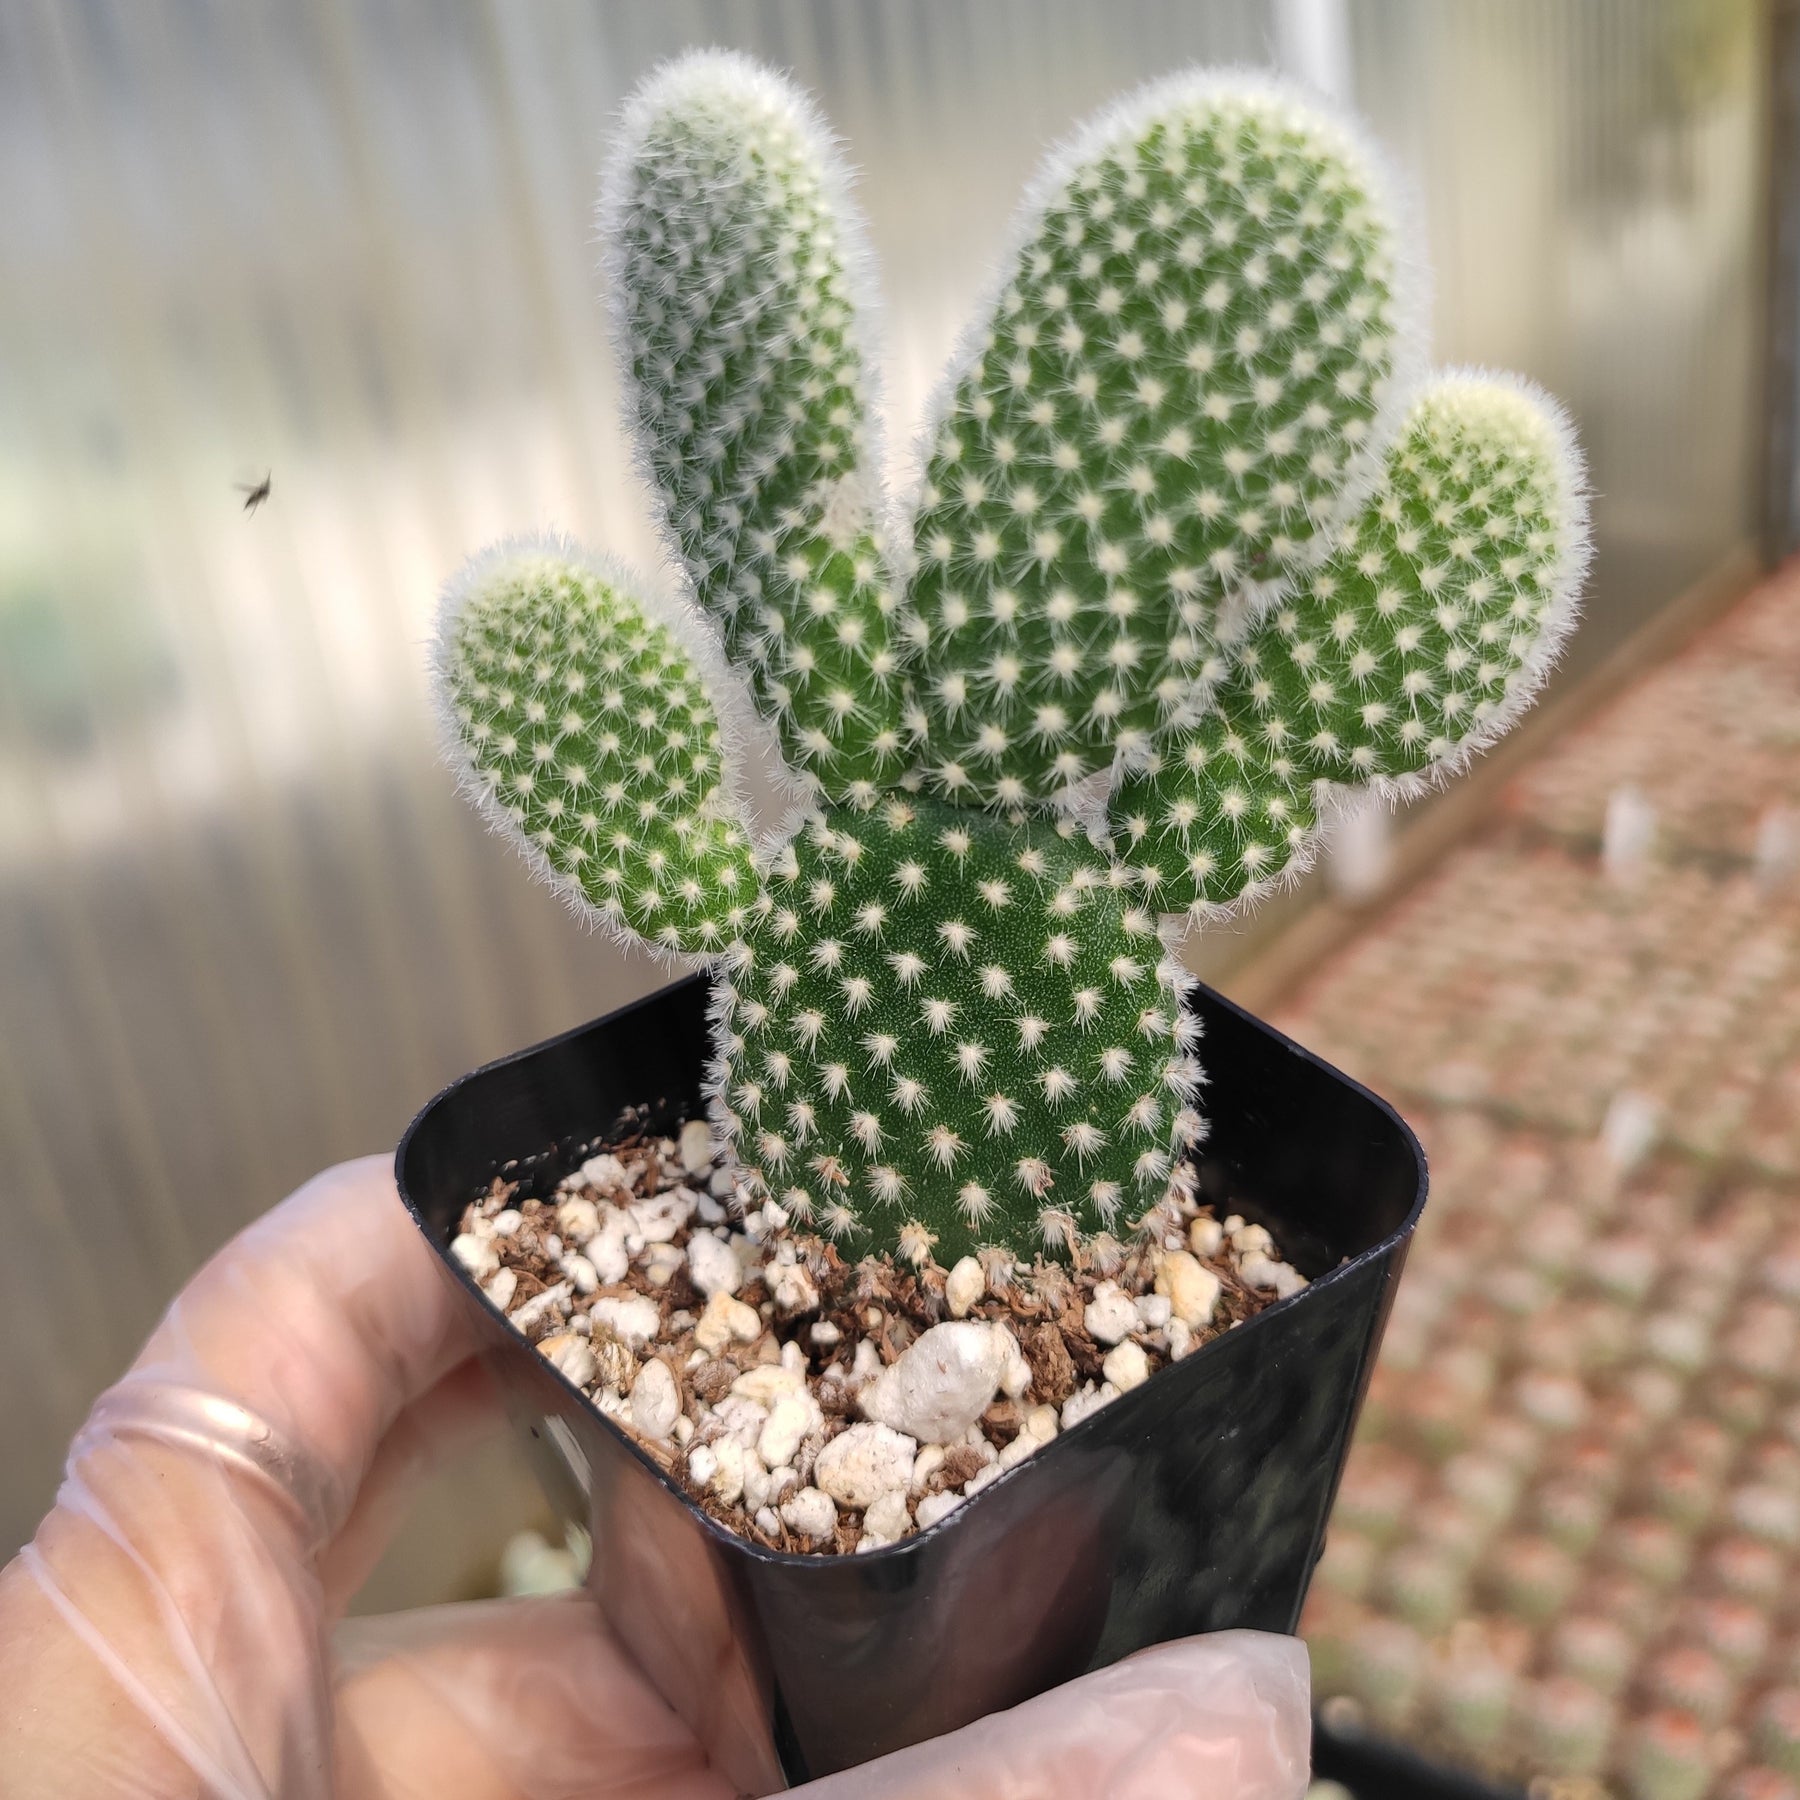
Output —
(901, 1547)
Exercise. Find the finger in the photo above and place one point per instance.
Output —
(53, 1689)
(175, 1584)
(1223, 1717)
(506, 1700)
(434, 1430)
(321, 1322)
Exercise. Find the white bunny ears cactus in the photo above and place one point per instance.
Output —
(1195, 542)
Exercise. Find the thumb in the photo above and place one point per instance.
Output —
(1224, 1717)
(533, 1700)
(505, 1700)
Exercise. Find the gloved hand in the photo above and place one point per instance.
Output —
(174, 1628)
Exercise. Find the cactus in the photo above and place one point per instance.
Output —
(1196, 544)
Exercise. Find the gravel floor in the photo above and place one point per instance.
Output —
(1568, 1542)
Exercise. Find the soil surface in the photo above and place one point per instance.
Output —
(818, 1405)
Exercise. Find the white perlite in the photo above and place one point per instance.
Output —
(810, 1513)
(944, 1381)
(577, 1218)
(1110, 1315)
(658, 1219)
(606, 1250)
(712, 1266)
(965, 1285)
(1260, 1270)
(863, 1463)
(1039, 1428)
(571, 1354)
(605, 1172)
(1250, 1240)
(634, 1320)
(1015, 1376)
(725, 1463)
(791, 1421)
(1205, 1237)
(745, 1400)
(655, 1400)
(1153, 1311)
(759, 1484)
(935, 1507)
(1126, 1366)
(926, 1464)
(476, 1254)
(726, 1321)
(550, 1303)
(767, 1383)
(1192, 1288)
(887, 1519)
(1084, 1401)
(697, 1149)
(660, 1263)
(791, 1288)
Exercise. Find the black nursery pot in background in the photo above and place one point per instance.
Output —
(1196, 1502)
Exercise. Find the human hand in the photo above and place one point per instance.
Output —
(175, 1628)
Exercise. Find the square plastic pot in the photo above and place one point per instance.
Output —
(1196, 1502)
(1378, 1768)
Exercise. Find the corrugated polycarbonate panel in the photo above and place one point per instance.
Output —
(245, 924)
(1592, 191)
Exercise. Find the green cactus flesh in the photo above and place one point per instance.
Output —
(1411, 645)
(947, 1030)
(1188, 356)
(588, 727)
(736, 315)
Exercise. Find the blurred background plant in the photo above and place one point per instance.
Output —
(345, 242)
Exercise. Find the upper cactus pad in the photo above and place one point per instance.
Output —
(1172, 399)
(730, 232)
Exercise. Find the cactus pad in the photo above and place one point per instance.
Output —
(586, 726)
(1422, 635)
(1191, 351)
(730, 232)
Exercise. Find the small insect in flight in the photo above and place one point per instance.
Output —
(255, 493)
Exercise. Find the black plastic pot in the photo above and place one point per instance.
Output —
(1196, 1502)
(1378, 1768)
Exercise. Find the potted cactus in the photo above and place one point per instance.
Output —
(1197, 542)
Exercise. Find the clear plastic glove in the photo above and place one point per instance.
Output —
(173, 1630)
